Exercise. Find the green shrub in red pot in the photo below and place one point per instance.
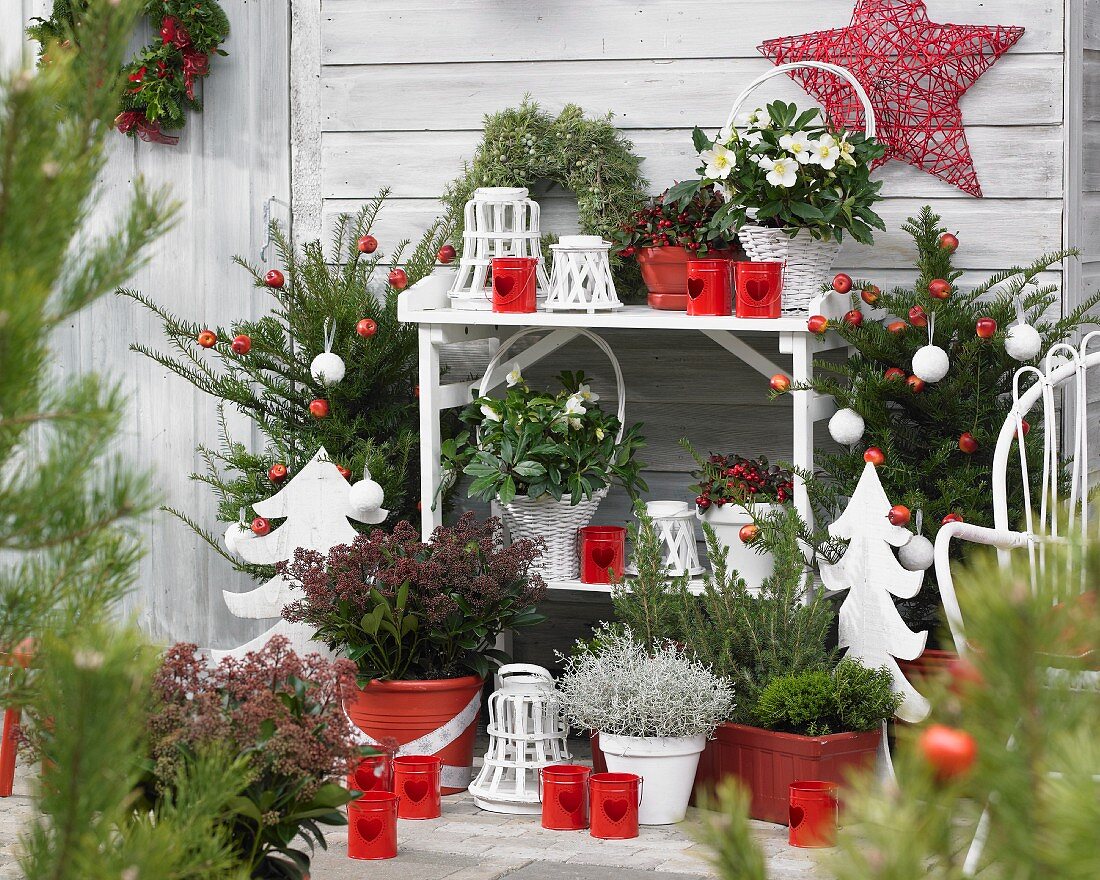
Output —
(420, 621)
(663, 238)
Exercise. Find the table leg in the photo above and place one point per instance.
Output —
(431, 511)
(802, 453)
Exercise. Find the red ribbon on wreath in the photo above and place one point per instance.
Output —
(195, 64)
(172, 31)
(135, 121)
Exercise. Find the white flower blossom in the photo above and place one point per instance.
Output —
(574, 406)
(825, 152)
(575, 424)
(749, 118)
(727, 134)
(515, 376)
(719, 160)
(781, 172)
(490, 413)
(600, 434)
(753, 138)
(847, 151)
(585, 393)
(798, 145)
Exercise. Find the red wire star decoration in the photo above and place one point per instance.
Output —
(914, 71)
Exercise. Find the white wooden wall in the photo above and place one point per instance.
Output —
(404, 85)
(230, 159)
(1089, 104)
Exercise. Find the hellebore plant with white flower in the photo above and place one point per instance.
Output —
(514, 376)
(536, 443)
(788, 169)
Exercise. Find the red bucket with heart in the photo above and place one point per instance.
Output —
(372, 773)
(372, 826)
(613, 800)
(814, 813)
(602, 552)
(708, 287)
(515, 284)
(564, 794)
(416, 783)
(759, 289)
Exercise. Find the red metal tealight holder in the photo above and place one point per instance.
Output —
(564, 795)
(515, 284)
(759, 289)
(613, 804)
(416, 783)
(372, 826)
(372, 773)
(708, 287)
(602, 552)
(814, 813)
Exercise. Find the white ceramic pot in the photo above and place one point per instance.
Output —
(667, 765)
(727, 521)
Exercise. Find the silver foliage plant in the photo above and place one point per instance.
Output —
(618, 686)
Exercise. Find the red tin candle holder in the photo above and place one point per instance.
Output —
(708, 287)
(613, 805)
(372, 773)
(564, 796)
(602, 553)
(759, 289)
(416, 783)
(372, 826)
(814, 813)
(515, 284)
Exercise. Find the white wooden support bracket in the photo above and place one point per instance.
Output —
(743, 351)
(545, 346)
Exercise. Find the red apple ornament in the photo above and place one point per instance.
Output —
(985, 328)
(939, 288)
(367, 244)
(915, 383)
(319, 408)
(446, 254)
(949, 242)
(875, 456)
(842, 283)
(870, 294)
(817, 324)
(780, 383)
(366, 328)
(274, 278)
(968, 444)
(260, 526)
(398, 279)
(918, 317)
(207, 338)
(241, 344)
(894, 375)
(748, 533)
(854, 318)
(950, 752)
(277, 472)
(899, 515)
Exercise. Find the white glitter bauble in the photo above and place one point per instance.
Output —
(931, 363)
(1023, 342)
(327, 368)
(365, 496)
(846, 426)
(917, 555)
(233, 537)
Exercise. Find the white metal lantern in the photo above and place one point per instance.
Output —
(581, 278)
(499, 222)
(674, 522)
(526, 733)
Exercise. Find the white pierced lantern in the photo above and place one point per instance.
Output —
(581, 278)
(674, 522)
(526, 733)
(499, 222)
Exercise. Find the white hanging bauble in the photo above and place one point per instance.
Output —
(236, 533)
(327, 368)
(917, 555)
(1023, 342)
(846, 426)
(931, 363)
(366, 496)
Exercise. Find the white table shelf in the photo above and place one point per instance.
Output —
(427, 305)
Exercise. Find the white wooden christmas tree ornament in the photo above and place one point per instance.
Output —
(327, 368)
(581, 278)
(316, 508)
(498, 222)
(846, 426)
(931, 363)
(235, 534)
(365, 498)
(870, 626)
(1022, 342)
(919, 553)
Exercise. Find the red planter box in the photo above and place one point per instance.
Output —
(767, 762)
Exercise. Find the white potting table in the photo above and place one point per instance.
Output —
(426, 304)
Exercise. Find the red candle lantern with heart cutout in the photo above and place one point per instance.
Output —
(814, 813)
(515, 284)
(372, 826)
(416, 784)
(613, 800)
(602, 553)
(564, 795)
(372, 773)
(708, 287)
(759, 289)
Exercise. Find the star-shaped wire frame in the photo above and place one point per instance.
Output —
(914, 71)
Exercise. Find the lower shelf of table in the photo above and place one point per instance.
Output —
(695, 585)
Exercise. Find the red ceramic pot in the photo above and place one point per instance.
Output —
(664, 271)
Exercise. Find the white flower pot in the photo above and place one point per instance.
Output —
(667, 765)
(727, 521)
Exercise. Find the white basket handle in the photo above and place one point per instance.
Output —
(620, 385)
(842, 72)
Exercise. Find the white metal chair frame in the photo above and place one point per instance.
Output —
(1053, 519)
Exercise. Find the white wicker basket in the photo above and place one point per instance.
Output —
(806, 260)
(556, 522)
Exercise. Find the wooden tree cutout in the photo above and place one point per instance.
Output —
(870, 626)
(316, 508)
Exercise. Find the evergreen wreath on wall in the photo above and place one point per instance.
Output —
(524, 145)
(161, 78)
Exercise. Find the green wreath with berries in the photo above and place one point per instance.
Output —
(160, 80)
(524, 146)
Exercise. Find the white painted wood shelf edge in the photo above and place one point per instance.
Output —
(695, 585)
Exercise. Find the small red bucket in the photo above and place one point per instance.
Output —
(814, 813)
(601, 548)
(515, 284)
(564, 795)
(373, 773)
(372, 826)
(613, 800)
(416, 783)
(759, 289)
(708, 287)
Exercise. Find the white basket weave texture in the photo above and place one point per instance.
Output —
(806, 261)
(556, 522)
